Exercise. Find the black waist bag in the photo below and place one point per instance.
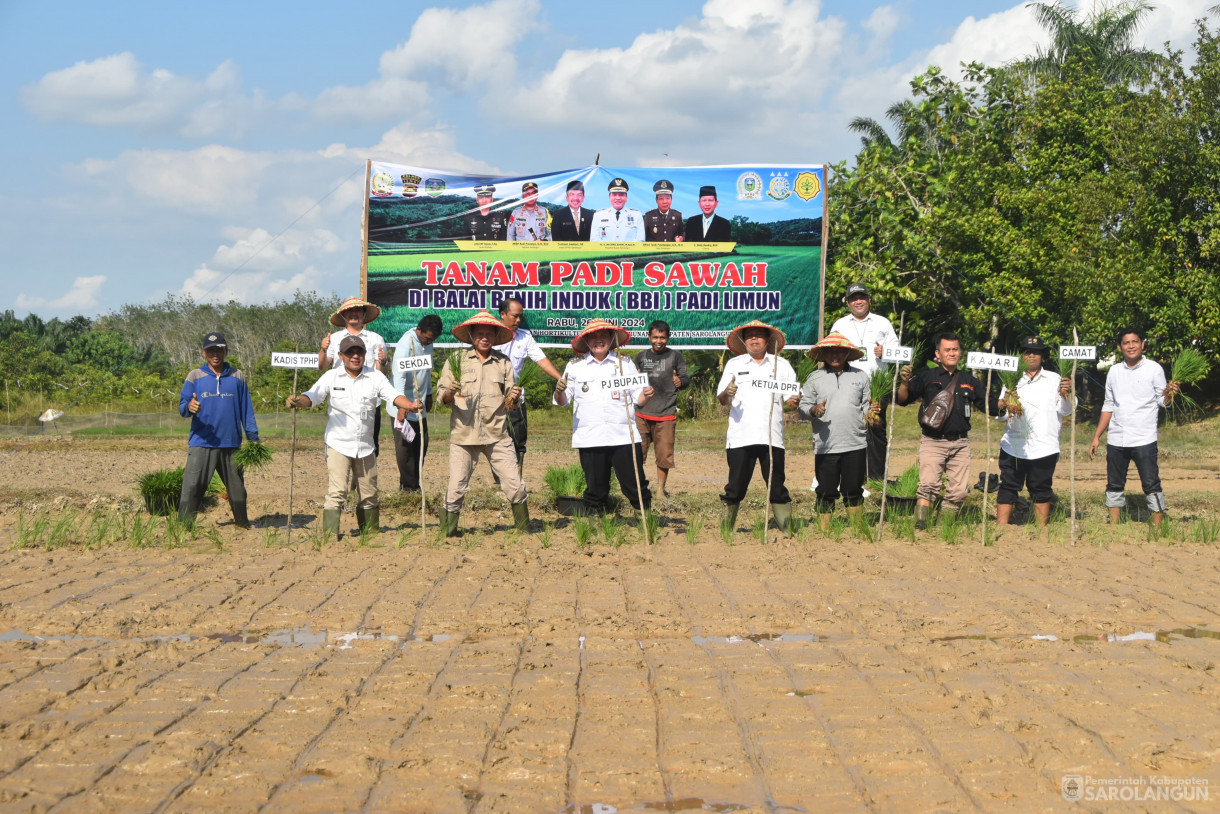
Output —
(934, 414)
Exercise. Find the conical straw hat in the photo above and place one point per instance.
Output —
(774, 344)
(503, 334)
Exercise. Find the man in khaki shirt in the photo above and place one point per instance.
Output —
(481, 393)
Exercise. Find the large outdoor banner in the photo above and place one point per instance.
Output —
(703, 248)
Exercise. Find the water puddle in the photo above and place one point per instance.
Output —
(303, 637)
(1162, 636)
(684, 804)
(759, 638)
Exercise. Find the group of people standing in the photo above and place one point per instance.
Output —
(616, 418)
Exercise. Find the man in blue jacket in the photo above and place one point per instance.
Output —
(217, 399)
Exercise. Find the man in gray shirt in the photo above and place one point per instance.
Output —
(834, 399)
(657, 418)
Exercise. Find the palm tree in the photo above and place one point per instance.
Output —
(1104, 37)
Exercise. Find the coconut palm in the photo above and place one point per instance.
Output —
(1104, 37)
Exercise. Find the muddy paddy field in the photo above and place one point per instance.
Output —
(233, 670)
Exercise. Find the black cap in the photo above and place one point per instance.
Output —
(1034, 343)
(214, 340)
(484, 191)
(528, 185)
(708, 190)
(617, 185)
(663, 187)
(576, 185)
(854, 289)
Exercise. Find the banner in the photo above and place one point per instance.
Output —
(703, 248)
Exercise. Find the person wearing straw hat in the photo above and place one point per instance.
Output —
(481, 393)
(216, 398)
(417, 386)
(354, 394)
(351, 317)
(529, 221)
(756, 427)
(603, 431)
(835, 399)
(1029, 449)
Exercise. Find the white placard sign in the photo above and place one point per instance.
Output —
(897, 353)
(302, 361)
(1081, 353)
(409, 364)
(783, 388)
(625, 382)
(991, 361)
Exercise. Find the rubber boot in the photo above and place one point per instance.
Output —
(922, 515)
(730, 514)
(360, 515)
(449, 522)
(240, 518)
(782, 513)
(521, 516)
(371, 519)
(330, 521)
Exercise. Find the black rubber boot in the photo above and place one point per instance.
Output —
(370, 520)
(782, 513)
(330, 521)
(521, 516)
(922, 515)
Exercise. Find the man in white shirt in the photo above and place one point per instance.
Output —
(618, 222)
(351, 318)
(872, 332)
(756, 416)
(521, 347)
(416, 386)
(603, 417)
(1135, 391)
(1029, 449)
(355, 393)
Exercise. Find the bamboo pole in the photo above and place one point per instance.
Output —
(631, 433)
(292, 455)
(987, 468)
(1072, 471)
(889, 439)
(423, 495)
(770, 452)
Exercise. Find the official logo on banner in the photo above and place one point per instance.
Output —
(381, 184)
(410, 185)
(434, 186)
(780, 187)
(749, 187)
(807, 186)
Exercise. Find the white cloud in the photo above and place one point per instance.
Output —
(117, 91)
(82, 296)
(210, 285)
(255, 249)
(883, 22)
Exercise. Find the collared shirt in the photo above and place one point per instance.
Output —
(492, 226)
(663, 227)
(519, 348)
(1035, 433)
(529, 224)
(841, 427)
(627, 227)
(404, 382)
(1133, 397)
(966, 397)
(598, 416)
(352, 402)
(867, 333)
(373, 345)
(478, 415)
(751, 407)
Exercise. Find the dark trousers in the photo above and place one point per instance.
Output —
(377, 430)
(201, 464)
(1035, 473)
(1118, 461)
(406, 453)
(597, 462)
(741, 470)
(875, 439)
(518, 425)
(840, 472)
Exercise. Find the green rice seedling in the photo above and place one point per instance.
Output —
(176, 532)
(271, 537)
(583, 527)
(404, 536)
(692, 532)
(63, 531)
(367, 533)
(950, 529)
(759, 530)
(861, 528)
(213, 536)
(29, 533)
(252, 456)
(1205, 530)
(141, 532)
(1010, 379)
(1189, 367)
(607, 526)
(903, 527)
(880, 384)
(653, 523)
(546, 535)
(565, 481)
(321, 537)
(728, 532)
(98, 533)
(471, 540)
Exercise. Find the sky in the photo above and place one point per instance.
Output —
(217, 150)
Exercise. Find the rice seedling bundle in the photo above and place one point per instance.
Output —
(252, 457)
(1189, 367)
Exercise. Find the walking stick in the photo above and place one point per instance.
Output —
(423, 496)
(1072, 472)
(635, 465)
(770, 452)
(292, 456)
(987, 468)
(889, 439)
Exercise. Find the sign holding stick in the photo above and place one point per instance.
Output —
(292, 456)
(989, 362)
(632, 434)
(297, 361)
(899, 356)
(1075, 353)
(412, 364)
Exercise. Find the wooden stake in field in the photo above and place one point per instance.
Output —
(1072, 471)
(631, 432)
(423, 498)
(292, 455)
(770, 453)
(987, 469)
(889, 439)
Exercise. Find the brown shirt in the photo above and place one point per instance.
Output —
(478, 415)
